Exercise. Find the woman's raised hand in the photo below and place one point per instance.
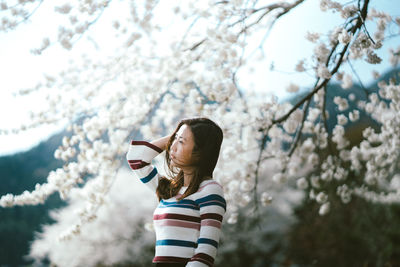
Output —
(162, 142)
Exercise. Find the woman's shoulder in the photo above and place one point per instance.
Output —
(210, 186)
(211, 196)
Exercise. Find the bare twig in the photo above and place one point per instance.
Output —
(363, 23)
(196, 45)
(30, 14)
(325, 121)
(93, 21)
(262, 145)
(299, 131)
(358, 78)
(270, 8)
(188, 30)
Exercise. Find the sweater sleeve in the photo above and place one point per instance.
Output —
(212, 209)
(139, 157)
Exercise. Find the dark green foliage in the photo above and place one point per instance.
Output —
(357, 234)
(253, 241)
(360, 233)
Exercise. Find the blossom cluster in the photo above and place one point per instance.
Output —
(144, 91)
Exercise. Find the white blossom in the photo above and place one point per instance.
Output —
(300, 66)
(347, 81)
(266, 199)
(232, 219)
(373, 58)
(64, 9)
(323, 72)
(321, 197)
(344, 37)
(290, 126)
(341, 103)
(321, 53)
(292, 88)
(312, 36)
(315, 182)
(354, 115)
(338, 137)
(302, 183)
(324, 209)
(342, 119)
(279, 178)
(394, 56)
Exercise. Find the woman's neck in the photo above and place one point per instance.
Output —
(187, 177)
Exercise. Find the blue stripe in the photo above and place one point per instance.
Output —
(208, 241)
(174, 242)
(211, 197)
(183, 201)
(150, 176)
(180, 206)
(218, 200)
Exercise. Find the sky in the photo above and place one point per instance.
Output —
(20, 69)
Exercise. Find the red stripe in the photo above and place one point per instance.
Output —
(204, 258)
(166, 259)
(176, 216)
(145, 143)
(137, 164)
(213, 216)
(213, 223)
(178, 223)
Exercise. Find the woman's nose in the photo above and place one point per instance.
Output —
(173, 146)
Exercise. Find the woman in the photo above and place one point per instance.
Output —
(188, 218)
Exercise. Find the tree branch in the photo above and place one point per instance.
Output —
(269, 8)
(333, 71)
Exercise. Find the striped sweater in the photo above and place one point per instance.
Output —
(187, 231)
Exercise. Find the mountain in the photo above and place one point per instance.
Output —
(359, 93)
(20, 172)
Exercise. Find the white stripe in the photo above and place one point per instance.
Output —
(174, 251)
(178, 233)
(212, 209)
(183, 211)
(141, 152)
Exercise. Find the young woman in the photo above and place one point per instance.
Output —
(188, 218)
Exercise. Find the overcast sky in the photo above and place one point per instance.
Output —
(20, 69)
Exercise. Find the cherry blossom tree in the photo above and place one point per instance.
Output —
(150, 82)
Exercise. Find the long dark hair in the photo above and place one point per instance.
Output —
(207, 137)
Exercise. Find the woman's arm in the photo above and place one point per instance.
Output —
(212, 209)
(139, 157)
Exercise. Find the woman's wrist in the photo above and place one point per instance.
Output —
(161, 142)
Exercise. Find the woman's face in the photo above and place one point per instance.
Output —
(181, 148)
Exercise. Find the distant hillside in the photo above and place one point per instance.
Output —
(21, 172)
(360, 93)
